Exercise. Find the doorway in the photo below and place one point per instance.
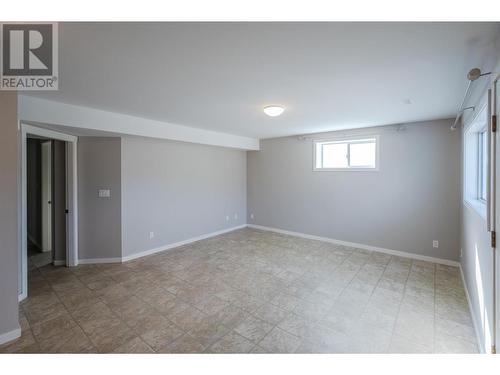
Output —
(49, 201)
(40, 199)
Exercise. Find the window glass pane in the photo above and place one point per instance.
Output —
(335, 155)
(483, 164)
(362, 154)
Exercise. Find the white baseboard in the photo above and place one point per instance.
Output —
(22, 296)
(359, 246)
(59, 263)
(180, 243)
(99, 260)
(474, 320)
(158, 249)
(9, 336)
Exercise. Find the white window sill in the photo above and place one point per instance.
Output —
(478, 206)
(345, 169)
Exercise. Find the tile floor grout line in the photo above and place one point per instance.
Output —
(399, 306)
(69, 313)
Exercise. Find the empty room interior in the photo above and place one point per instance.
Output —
(253, 187)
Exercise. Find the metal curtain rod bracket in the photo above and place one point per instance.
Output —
(471, 76)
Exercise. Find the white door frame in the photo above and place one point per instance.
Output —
(495, 111)
(71, 199)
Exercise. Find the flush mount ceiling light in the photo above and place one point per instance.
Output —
(274, 110)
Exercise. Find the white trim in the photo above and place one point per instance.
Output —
(180, 243)
(360, 246)
(42, 132)
(160, 248)
(60, 114)
(23, 251)
(494, 205)
(99, 260)
(22, 296)
(58, 263)
(349, 169)
(9, 336)
(474, 320)
(470, 161)
(72, 217)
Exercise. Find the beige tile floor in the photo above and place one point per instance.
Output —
(248, 291)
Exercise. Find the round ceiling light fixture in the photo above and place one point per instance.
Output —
(274, 110)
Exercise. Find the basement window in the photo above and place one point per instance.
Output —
(349, 154)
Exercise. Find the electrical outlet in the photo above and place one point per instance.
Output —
(251, 216)
(104, 193)
(460, 252)
(227, 218)
(435, 244)
(151, 235)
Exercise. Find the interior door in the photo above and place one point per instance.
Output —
(495, 108)
(71, 205)
(47, 196)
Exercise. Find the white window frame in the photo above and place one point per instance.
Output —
(347, 139)
(71, 199)
(472, 177)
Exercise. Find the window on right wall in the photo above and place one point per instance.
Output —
(482, 157)
(476, 163)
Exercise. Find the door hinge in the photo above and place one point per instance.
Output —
(493, 349)
(66, 211)
(494, 123)
(493, 238)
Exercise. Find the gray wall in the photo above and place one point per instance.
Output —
(9, 213)
(413, 200)
(59, 192)
(99, 219)
(178, 191)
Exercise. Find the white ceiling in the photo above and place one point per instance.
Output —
(218, 76)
